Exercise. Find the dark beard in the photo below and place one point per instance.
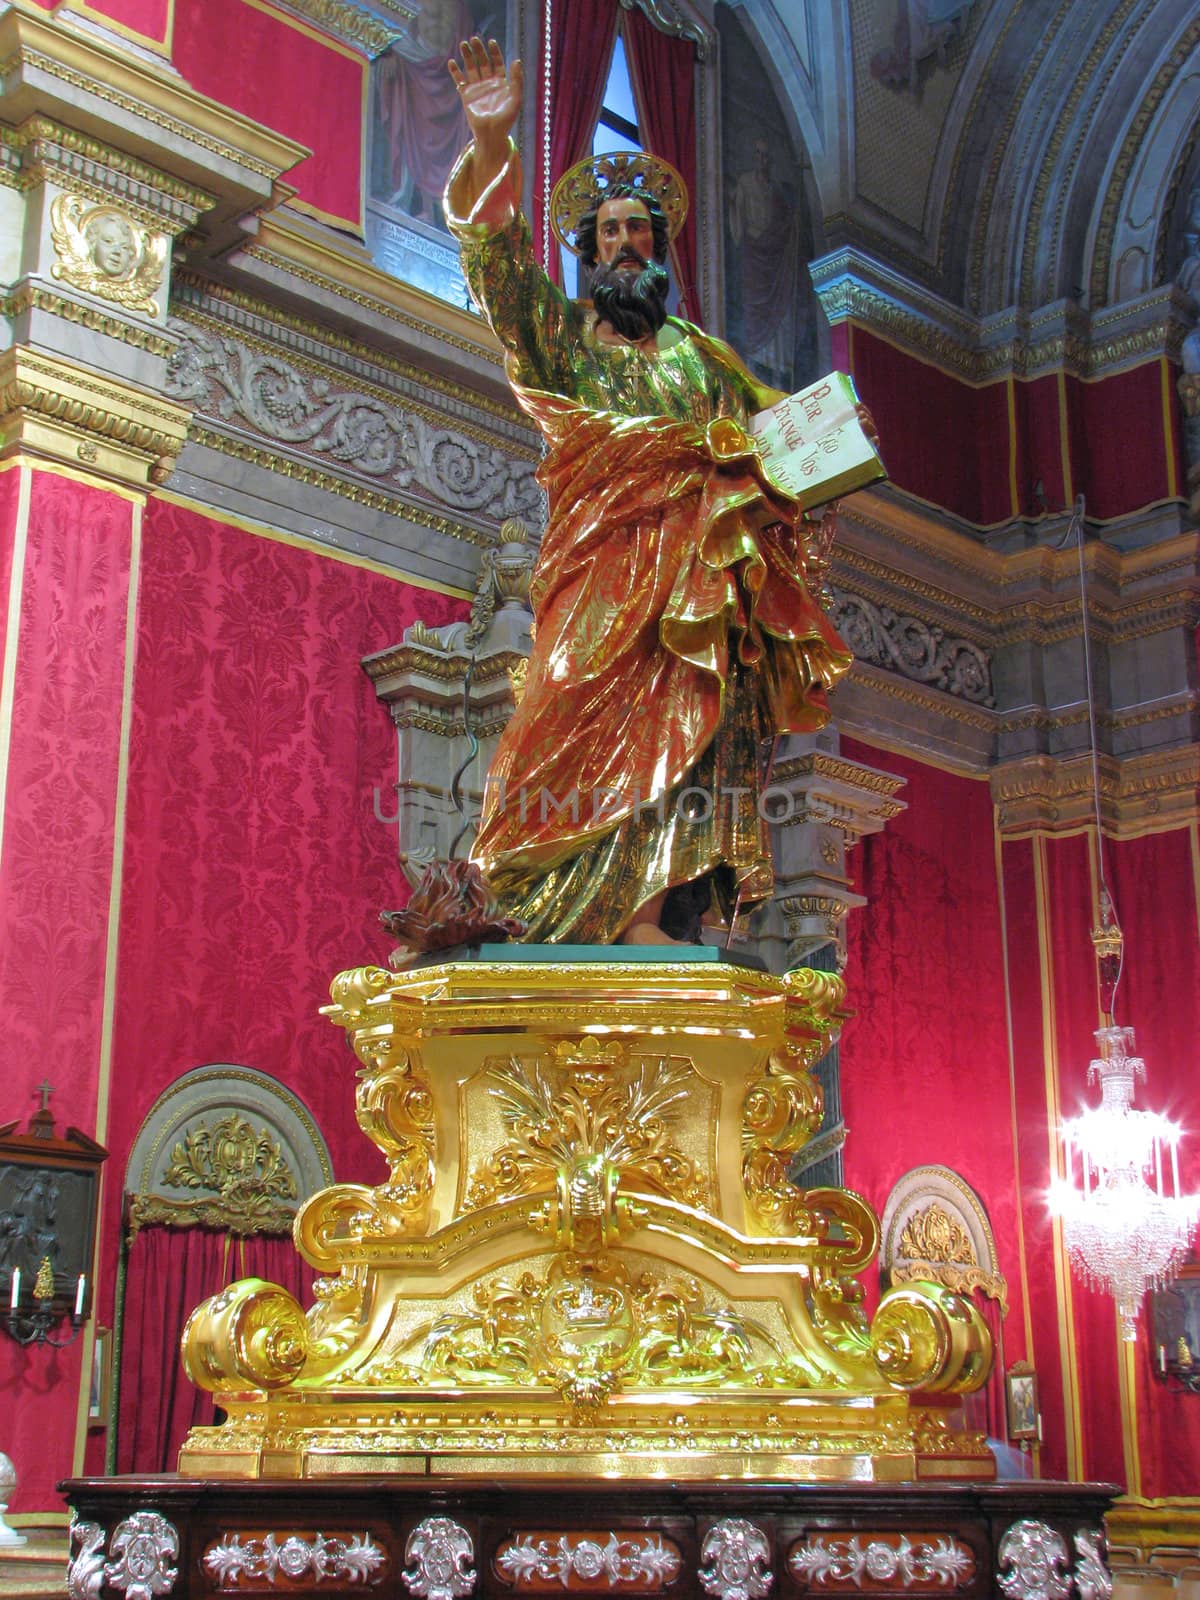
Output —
(634, 305)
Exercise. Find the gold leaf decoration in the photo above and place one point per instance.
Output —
(934, 1235)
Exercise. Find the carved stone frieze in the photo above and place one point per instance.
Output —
(641, 1561)
(913, 648)
(439, 1554)
(294, 1556)
(735, 1561)
(363, 433)
(925, 1562)
(1033, 1562)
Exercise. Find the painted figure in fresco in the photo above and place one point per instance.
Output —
(765, 227)
(419, 110)
(675, 630)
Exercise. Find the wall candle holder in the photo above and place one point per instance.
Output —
(48, 1191)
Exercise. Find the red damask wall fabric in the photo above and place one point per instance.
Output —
(256, 867)
(292, 79)
(149, 20)
(55, 875)
(924, 1060)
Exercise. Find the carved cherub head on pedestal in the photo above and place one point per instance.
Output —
(105, 253)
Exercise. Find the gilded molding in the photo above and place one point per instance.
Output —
(32, 44)
(30, 297)
(817, 763)
(162, 119)
(1080, 355)
(353, 25)
(930, 703)
(47, 150)
(359, 493)
(51, 407)
(425, 662)
(1110, 210)
(146, 1209)
(1139, 794)
(1141, 1529)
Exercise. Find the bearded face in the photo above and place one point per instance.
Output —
(630, 294)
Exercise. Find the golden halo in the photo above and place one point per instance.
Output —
(588, 181)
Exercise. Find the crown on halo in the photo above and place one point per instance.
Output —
(588, 181)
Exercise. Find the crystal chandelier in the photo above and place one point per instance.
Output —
(1125, 1223)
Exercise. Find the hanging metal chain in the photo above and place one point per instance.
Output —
(547, 65)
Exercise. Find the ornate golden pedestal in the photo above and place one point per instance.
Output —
(588, 1258)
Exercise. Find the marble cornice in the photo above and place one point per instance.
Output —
(46, 150)
(945, 574)
(293, 247)
(369, 29)
(1140, 794)
(854, 287)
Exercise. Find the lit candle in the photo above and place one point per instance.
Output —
(1175, 1168)
(79, 1287)
(1162, 1359)
(16, 1289)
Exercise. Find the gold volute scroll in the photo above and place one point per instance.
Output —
(587, 1253)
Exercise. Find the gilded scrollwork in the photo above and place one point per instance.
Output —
(104, 252)
(585, 1120)
(934, 1235)
(253, 1332)
(368, 433)
(780, 1113)
(588, 1325)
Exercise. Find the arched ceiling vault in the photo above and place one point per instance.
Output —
(1062, 143)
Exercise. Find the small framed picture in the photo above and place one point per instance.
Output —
(1020, 1389)
(100, 1393)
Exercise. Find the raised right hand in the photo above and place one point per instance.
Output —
(491, 94)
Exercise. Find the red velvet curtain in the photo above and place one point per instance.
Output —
(662, 70)
(170, 1271)
(581, 55)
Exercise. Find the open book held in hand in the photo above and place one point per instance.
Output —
(812, 444)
